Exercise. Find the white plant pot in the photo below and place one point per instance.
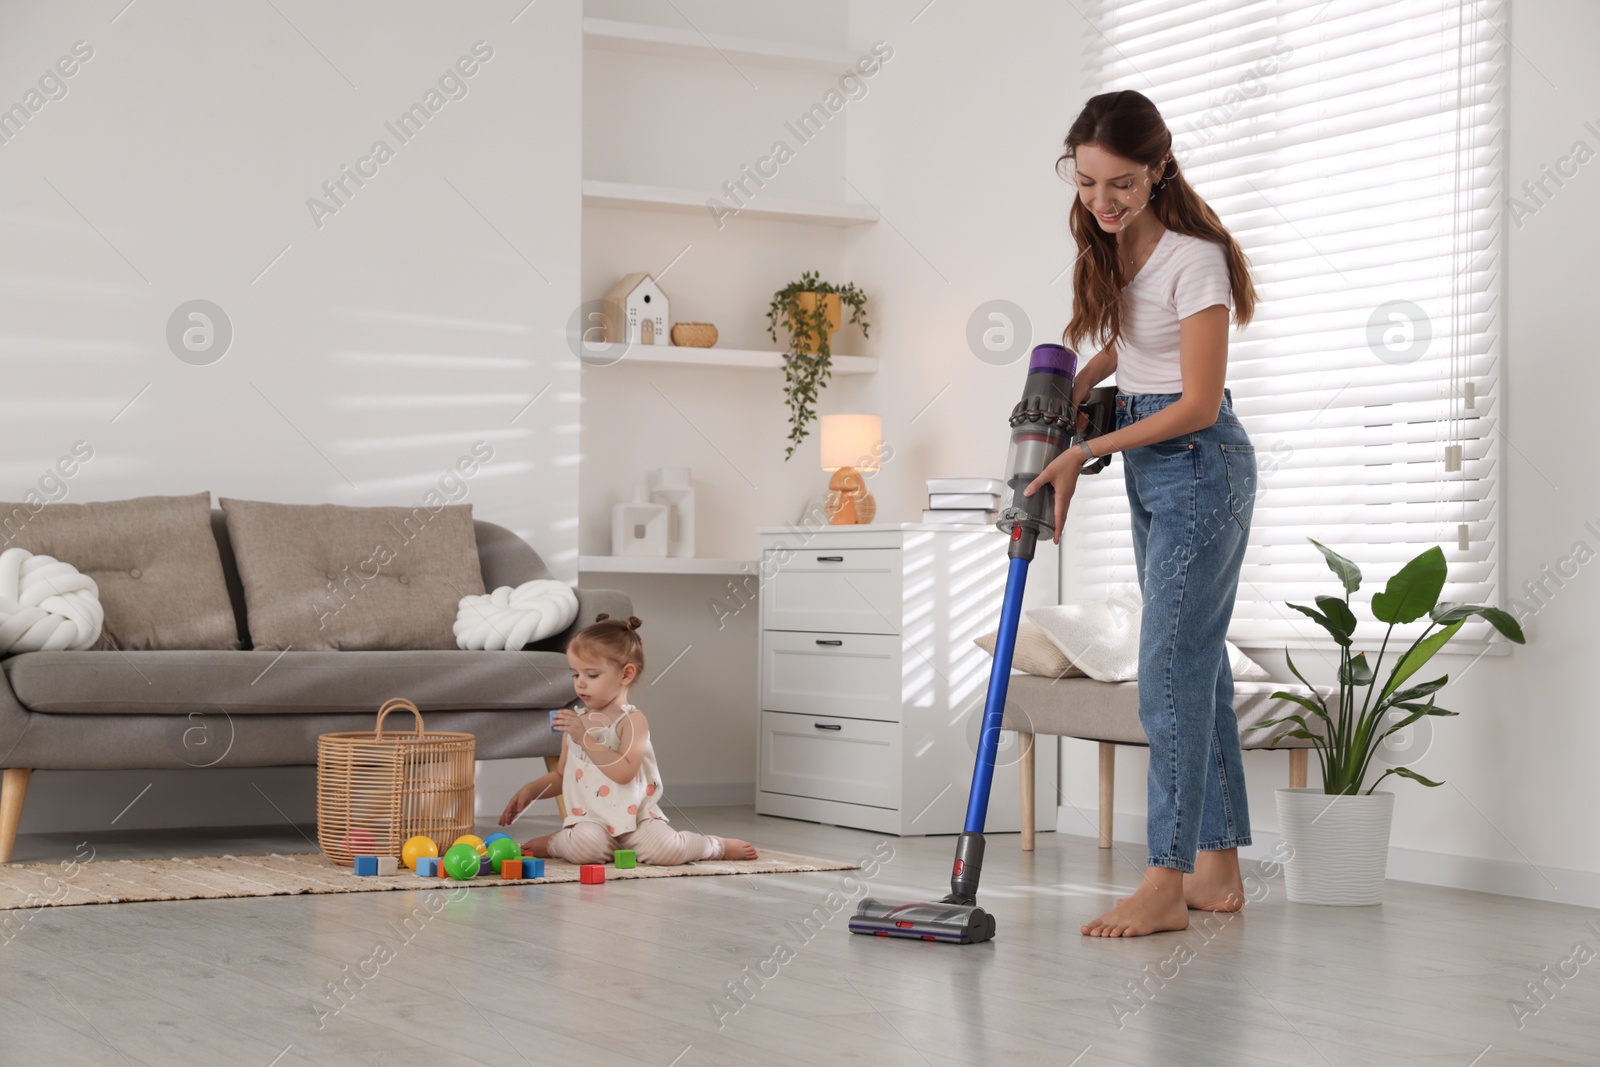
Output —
(1339, 845)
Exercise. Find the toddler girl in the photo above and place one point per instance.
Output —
(608, 777)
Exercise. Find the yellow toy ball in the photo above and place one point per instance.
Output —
(416, 848)
(473, 840)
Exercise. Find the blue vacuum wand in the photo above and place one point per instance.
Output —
(1043, 425)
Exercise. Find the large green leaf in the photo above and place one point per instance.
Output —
(1413, 591)
(1448, 612)
(1422, 690)
(1339, 614)
(1407, 772)
(1417, 655)
(1348, 573)
(1359, 672)
(1326, 623)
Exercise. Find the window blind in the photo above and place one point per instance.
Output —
(1355, 151)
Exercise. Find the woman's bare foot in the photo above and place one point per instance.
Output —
(539, 846)
(1215, 885)
(1157, 905)
(735, 849)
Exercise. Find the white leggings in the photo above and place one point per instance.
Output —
(653, 842)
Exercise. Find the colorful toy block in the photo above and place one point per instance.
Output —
(553, 720)
(485, 866)
(592, 873)
(369, 866)
(510, 868)
(532, 867)
(624, 859)
(428, 867)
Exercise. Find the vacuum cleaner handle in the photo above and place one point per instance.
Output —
(1100, 406)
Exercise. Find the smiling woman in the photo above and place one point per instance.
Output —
(1154, 279)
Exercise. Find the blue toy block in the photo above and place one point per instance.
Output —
(553, 720)
(532, 867)
(428, 867)
(366, 866)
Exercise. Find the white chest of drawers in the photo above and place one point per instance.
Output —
(871, 688)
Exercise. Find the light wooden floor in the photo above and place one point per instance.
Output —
(629, 973)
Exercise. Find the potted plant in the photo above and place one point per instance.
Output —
(1339, 834)
(811, 310)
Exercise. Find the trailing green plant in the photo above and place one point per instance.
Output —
(1348, 740)
(806, 372)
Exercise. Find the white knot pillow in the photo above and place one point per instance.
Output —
(46, 605)
(509, 618)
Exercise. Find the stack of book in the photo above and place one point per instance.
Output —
(952, 500)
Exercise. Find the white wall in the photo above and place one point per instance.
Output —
(366, 358)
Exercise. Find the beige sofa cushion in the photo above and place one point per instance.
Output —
(153, 559)
(324, 577)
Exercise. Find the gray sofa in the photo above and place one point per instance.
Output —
(94, 710)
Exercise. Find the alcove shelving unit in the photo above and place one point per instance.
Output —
(649, 39)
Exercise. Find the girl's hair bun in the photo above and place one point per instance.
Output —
(631, 623)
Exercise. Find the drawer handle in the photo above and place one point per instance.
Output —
(830, 559)
(831, 641)
(828, 725)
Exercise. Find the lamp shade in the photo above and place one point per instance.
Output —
(851, 441)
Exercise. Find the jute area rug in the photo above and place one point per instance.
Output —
(209, 877)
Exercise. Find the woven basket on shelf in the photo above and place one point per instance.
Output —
(375, 791)
(694, 334)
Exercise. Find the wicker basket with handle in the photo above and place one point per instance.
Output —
(376, 790)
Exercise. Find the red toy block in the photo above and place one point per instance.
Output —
(592, 873)
(510, 868)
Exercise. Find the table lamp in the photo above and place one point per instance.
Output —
(850, 445)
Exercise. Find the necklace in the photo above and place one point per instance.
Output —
(1130, 270)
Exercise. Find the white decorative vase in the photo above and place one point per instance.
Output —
(670, 486)
(639, 528)
(1339, 845)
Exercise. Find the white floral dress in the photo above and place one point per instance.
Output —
(591, 796)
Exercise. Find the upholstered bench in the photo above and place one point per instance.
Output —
(1108, 713)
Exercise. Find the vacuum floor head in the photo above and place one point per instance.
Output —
(961, 924)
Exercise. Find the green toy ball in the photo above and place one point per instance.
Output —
(461, 862)
(502, 849)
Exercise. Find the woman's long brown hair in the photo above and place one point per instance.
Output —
(1127, 124)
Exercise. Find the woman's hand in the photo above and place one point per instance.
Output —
(1061, 473)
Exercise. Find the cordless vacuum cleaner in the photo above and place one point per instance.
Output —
(1043, 425)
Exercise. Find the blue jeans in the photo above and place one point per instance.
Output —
(1191, 500)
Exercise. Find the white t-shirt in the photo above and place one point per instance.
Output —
(1183, 275)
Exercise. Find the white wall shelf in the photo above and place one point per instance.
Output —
(598, 193)
(650, 39)
(724, 357)
(663, 565)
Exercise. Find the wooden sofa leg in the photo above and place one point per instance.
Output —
(1298, 758)
(13, 790)
(1108, 790)
(1025, 777)
(550, 764)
